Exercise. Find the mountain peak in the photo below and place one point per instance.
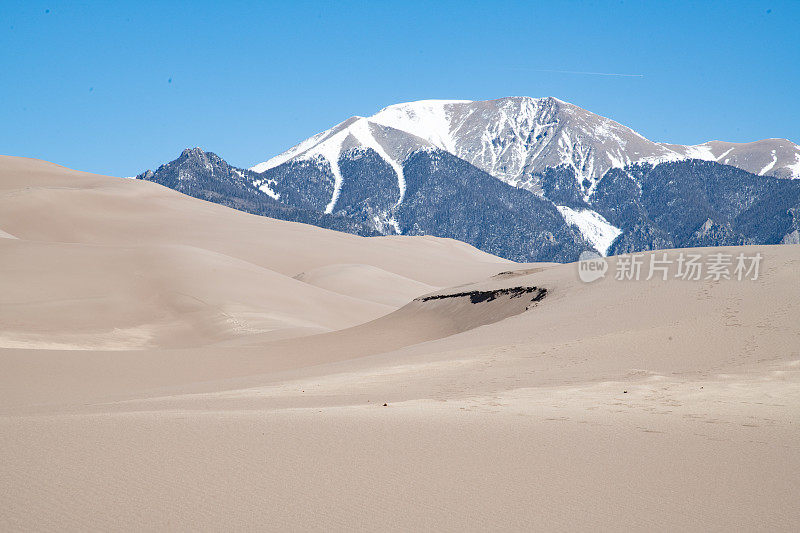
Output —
(193, 152)
(516, 138)
(199, 155)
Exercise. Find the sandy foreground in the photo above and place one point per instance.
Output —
(170, 364)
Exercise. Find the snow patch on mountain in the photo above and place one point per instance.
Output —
(721, 156)
(264, 186)
(795, 167)
(330, 151)
(700, 151)
(769, 165)
(356, 133)
(427, 119)
(296, 150)
(386, 224)
(362, 131)
(592, 225)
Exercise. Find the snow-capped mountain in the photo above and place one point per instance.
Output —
(526, 179)
(352, 135)
(516, 139)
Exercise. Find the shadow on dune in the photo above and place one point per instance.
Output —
(425, 319)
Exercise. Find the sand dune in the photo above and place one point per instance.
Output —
(153, 268)
(168, 296)
(254, 397)
(366, 282)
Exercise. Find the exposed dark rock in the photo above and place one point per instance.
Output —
(477, 297)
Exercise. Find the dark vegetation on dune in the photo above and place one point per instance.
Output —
(477, 297)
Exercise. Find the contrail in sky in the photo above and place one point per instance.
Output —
(590, 73)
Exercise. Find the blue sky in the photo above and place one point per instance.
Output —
(117, 87)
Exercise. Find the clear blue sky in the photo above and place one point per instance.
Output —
(116, 87)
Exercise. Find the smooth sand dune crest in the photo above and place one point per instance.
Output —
(168, 296)
(366, 282)
(257, 400)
